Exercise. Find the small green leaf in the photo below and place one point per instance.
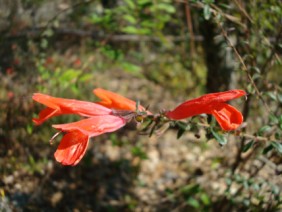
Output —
(280, 122)
(180, 132)
(131, 19)
(272, 95)
(279, 97)
(147, 124)
(248, 146)
(219, 137)
(267, 149)
(166, 7)
(29, 129)
(193, 202)
(130, 3)
(273, 119)
(277, 146)
(181, 125)
(264, 129)
(69, 75)
(131, 68)
(138, 152)
(277, 135)
(205, 199)
(44, 43)
(85, 77)
(130, 30)
(190, 189)
(207, 12)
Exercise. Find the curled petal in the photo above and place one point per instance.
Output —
(94, 126)
(60, 106)
(228, 117)
(72, 148)
(46, 114)
(115, 101)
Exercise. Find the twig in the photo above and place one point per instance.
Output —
(239, 5)
(215, 12)
(240, 134)
(87, 33)
(190, 28)
(244, 68)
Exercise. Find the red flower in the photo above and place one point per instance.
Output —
(228, 117)
(74, 143)
(60, 106)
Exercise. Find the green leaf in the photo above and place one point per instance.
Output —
(219, 137)
(29, 129)
(131, 19)
(280, 122)
(138, 152)
(190, 189)
(44, 43)
(166, 7)
(144, 2)
(248, 146)
(272, 95)
(130, 3)
(267, 149)
(205, 199)
(69, 75)
(207, 12)
(181, 125)
(130, 30)
(193, 202)
(277, 146)
(279, 97)
(85, 77)
(277, 135)
(129, 67)
(273, 119)
(264, 129)
(48, 32)
(180, 132)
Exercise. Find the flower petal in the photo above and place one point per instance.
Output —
(71, 148)
(60, 106)
(188, 109)
(203, 104)
(94, 126)
(228, 117)
(45, 114)
(223, 96)
(115, 101)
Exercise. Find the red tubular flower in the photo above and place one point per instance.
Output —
(60, 106)
(228, 117)
(74, 143)
(115, 101)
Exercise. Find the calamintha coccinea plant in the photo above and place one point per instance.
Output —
(113, 111)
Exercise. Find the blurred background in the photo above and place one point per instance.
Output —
(161, 52)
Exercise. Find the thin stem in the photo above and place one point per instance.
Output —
(244, 68)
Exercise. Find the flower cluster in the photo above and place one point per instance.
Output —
(113, 111)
